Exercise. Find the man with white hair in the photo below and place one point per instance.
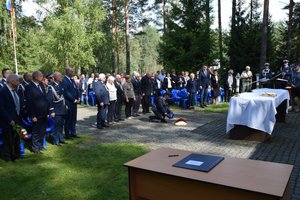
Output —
(9, 115)
(246, 77)
(102, 96)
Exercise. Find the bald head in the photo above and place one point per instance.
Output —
(13, 81)
(37, 76)
(69, 72)
(57, 77)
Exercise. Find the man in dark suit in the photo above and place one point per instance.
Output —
(9, 115)
(59, 109)
(146, 88)
(38, 109)
(136, 82)
(120, 98)
(5, 73)
(71, 95)
(102, 96)
(205, 83)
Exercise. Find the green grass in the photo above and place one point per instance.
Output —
(220, 108)
(70, 172)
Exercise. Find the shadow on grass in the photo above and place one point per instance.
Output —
(70, 172)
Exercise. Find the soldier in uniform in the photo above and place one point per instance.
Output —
(266, 76)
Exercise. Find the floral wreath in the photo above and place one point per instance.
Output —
(22, 132)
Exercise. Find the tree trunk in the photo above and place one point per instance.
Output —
(251, 11)
(289, 36)
(127, 37)
(113, 31)
(220, 33)
(263, 54)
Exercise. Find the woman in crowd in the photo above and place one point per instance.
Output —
(215, 86)
(112, 99)
(129, 96)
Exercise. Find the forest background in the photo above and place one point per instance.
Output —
(147, 35)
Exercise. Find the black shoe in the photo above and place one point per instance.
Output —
(202, 106)
(121, 119)
(58, 144)
(99, 127)
(76, 136)
(68, 138)
(105, 125)
(116, 120)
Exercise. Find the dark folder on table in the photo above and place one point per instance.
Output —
(199, 162)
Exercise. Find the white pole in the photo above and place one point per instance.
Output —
(14, 41)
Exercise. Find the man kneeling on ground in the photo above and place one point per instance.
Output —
(161, 108)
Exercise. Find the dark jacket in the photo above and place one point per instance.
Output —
(8, 111)
(71, 92)
(136, 86)
(191, 86)
(101, 93)
(146, 86)
(37, 104)
(59, 104)
(204, 80)
(120, 92)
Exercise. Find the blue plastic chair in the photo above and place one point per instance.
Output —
(197, 97)
(221, 99)
(209, 96)
(176, 98)
(184, 97)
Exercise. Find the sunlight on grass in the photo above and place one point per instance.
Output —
(70, 172)
(220, 107)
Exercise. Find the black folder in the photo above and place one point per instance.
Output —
(199, 162)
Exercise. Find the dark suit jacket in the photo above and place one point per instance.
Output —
(7, 108)
(101, 93)
(146, 86)
(204, 80)
(191, 86)
(136, 86)
(71, 92)
(120, 92)
(37, 104)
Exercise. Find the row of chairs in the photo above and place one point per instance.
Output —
(27, 124)
(181, 97)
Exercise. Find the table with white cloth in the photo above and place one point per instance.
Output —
(256, 111)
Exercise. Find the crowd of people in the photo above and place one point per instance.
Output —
(36, 96)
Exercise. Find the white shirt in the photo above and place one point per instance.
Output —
(112, 91)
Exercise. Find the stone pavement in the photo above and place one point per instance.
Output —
(205, 133)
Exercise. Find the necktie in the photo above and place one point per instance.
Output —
(40, 88)
(17, 102)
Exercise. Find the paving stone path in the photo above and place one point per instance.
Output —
(205, 133)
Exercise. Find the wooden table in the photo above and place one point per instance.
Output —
(152, 177)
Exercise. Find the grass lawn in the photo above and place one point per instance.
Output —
(220, 107)
(70, 172)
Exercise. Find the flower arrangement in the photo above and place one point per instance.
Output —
(22, 132)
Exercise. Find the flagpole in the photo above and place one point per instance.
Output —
(14, 41)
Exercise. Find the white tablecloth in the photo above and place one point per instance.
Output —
(255, 111)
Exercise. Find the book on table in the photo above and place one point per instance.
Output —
(199, 162)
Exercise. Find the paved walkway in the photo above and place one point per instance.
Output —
(205, 133)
